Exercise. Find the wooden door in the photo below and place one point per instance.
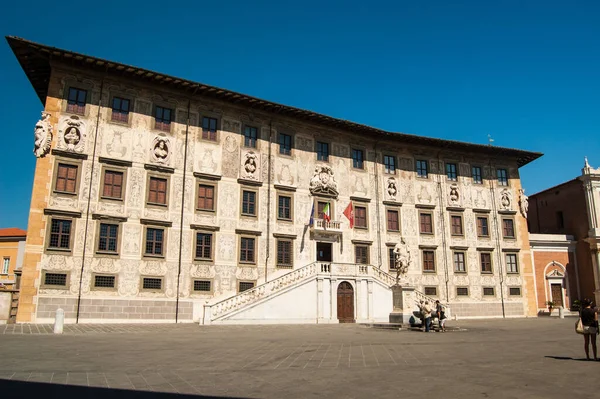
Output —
(556, 290)
(345, 303)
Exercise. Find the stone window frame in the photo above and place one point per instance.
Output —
(258, 128)
(199, 292)
(363, 150)
(397, 210)
(431, 250)
(284, 193)
(160, 175)
(124, 96)
(359, 204)
(60, 215)
(480, 182)
(510, 292)
(435, 288)
(282, 265)
(255, 249)
(462, 288)
(452, 215)
(490, 253)
(154, 225)
(395, 158)
(493, 294)
(5, 265)
(514, 228)
(516, 255)
(78, 163)
(165, 105)
(211, 115)
(72, 83)
(487, 219)
(465, 261)
(367, 248)
(329, 147)
(239, 282)
(256, 202)
(292, 136)
(112, 168)
(427, 169)
(112, 221)
(498, 181)
(330, 200)
(93, 282)
(162, 284)
(431, 214)
(205, 182)
(456, 171)
(213, 233)
(43, 284)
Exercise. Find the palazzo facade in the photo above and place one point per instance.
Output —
(160, 199)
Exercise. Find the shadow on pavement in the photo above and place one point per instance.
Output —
(567, 358)
(23, 389)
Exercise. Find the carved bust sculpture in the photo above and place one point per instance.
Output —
(250, 164)
(72, 137)
(160, 150)
(323, 181)
(42, 136)
(392, 190)
(454, 195)
(505, 199)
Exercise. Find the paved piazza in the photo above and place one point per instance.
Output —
(523, 358)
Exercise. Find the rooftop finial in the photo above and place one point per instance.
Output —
(586, 164)
(490, 139)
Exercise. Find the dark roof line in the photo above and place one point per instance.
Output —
(555, 187)
(34, 58)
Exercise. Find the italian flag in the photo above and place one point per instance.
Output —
(326, 215)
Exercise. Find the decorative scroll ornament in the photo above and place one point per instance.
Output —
(523, 203)
(505, 199)
(392, 189)
(454, 196)
(250, 165)
(161, 150)
(323, 181)
(42, 136)
(402, 259)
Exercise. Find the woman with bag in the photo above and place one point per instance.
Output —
(589, 320)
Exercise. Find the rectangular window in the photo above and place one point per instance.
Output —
(389, 163)
(361, 254)
(157, 192)
(428, 261)
(451, 171)
(202, 285)
(250, 136)
(456, 225)
(209, 128)
(482, 226)
(154, 241)
(422, 169)
(162, 118)
(204, 242)
(357, 159)
(502, 177)
(488, 291)
(392, 258)
(486, 262)
(462, 291)
(55, 279)
(104, 281)
(322, 151)
(508, 228)
(248, 203)
(511, 263)
(392, 220)
(285, 144)
(245, 286)
(431, 291)
(108, 237)
(113, 184)
(247, 250)
(476, 174)
(426, 223)
(149, 283)
(459, 262)
(76, 100)
(206, 197)
(514, 291)
(60, 234)
(5, 265)
(284, 253)
(321, 209)
(284, 207)
(360, 217)
(560, 220)
(66, 178)
(120, 109)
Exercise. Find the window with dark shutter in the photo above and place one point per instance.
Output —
(66, 178)
(113, 184)
(157, 192)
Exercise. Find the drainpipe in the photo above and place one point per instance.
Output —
(268, 249)
(498, 245)
(89, 199)
(377, 207)
(443, 225)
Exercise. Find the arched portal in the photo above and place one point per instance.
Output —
(345, 303)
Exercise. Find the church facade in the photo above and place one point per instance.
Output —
(158, 199)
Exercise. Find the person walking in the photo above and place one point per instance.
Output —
(439, 309)
(427, 316)
(589, 320)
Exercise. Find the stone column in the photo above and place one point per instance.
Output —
(403, 297)
(333, 318)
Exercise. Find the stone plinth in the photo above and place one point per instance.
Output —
(403, 301)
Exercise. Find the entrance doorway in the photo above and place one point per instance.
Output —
(556, 290)
(324, 253)
(345, 303)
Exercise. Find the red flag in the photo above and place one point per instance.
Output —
(349, 213)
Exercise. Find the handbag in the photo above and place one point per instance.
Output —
(579, 327)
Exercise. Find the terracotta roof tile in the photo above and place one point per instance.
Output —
(12, 232)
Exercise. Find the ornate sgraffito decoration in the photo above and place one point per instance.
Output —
(72, 134)
(424, 195)
(391, 188)
(402, 259)
(479, 200)
(161, 150)
(505, 199)
(454, 195)
(42, 136)
(323, 181)
(523, 203)
(250, 165)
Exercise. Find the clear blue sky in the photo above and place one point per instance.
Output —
(526, 72)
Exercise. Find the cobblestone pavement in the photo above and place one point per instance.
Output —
(524, 358)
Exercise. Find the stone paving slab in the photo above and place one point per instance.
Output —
(523, 358)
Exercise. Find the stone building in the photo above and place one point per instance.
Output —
(158, 199)
(571, 209)
(12, 253)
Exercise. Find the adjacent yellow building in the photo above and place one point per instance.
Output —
(12, 251)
